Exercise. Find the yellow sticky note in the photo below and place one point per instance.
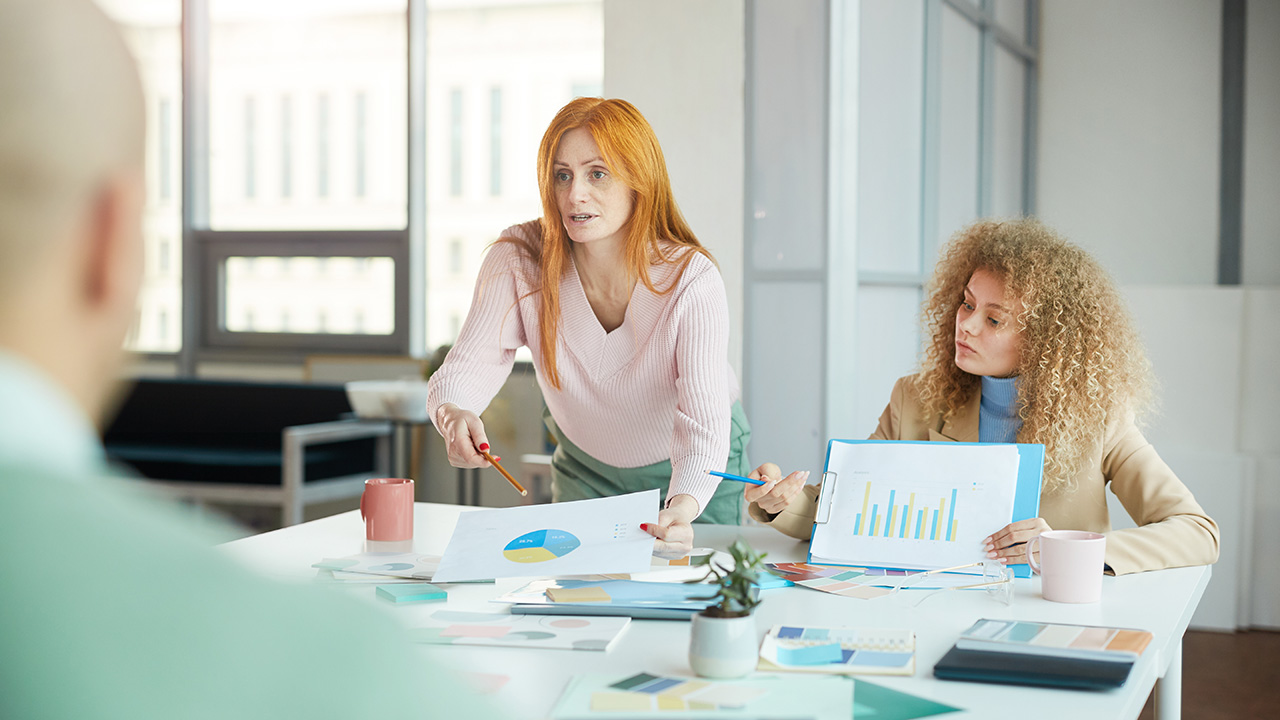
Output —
(667, 702)
(593, 593)
(606, 701)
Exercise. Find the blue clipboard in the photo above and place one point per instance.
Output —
(1026, 499)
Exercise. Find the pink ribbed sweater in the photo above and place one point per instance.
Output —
(658, 387)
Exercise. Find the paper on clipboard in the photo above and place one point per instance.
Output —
(920, 505)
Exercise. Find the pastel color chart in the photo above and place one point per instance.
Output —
(838, 580)
(1049, 638)
(667, 694)
(839, 650)
(656, 695)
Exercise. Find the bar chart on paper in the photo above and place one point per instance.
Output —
(909, 514)
(914, 505)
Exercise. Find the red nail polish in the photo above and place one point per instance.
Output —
(484, 447)
(645, 526)
(496, 458)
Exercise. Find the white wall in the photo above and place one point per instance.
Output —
(681, 64)
(1129, 133)
(1215, 351)
(1129, 146)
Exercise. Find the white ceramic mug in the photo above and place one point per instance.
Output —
(1070, 566)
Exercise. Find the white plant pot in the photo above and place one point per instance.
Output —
(723, 648)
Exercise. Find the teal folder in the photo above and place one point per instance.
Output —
(1026, 501)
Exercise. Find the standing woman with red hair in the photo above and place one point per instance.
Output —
(625, 314)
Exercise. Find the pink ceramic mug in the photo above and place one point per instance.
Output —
(1070, 566)
(387, 509)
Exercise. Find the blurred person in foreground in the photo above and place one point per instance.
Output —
(110, 607)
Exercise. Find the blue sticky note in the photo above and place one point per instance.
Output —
(411, 592)
(811, 655)
(766, 580)
(875, 658)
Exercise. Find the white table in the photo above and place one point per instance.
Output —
(1161, 602)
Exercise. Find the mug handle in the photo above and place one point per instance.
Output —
(1031, 556)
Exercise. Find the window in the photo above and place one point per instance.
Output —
(361, 100)
(455, 142)
(250, 158)
(164, 139)
(944, 98)
(495, 141)
(286, 147)
(455, 257)
(152, 30)
(490, 96)
(290, 136)
(322, 146)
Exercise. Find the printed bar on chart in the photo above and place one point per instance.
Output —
(951, 519)
(904, 521)
(888, 525)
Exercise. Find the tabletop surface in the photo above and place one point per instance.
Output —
(1161, 602)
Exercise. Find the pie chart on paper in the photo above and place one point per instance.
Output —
(540, 546)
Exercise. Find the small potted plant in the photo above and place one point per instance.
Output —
(722, 640)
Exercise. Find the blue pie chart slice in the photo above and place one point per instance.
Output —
(540, 546)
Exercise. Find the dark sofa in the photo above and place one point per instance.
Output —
(247, 442)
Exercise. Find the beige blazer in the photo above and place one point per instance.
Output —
(1173, 530)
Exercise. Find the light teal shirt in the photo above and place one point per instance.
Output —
(112, 606)
(40, 424)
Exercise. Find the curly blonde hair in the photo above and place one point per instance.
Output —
(1081, 361)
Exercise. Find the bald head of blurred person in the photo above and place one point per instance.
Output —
(144, 619)
(71, 193)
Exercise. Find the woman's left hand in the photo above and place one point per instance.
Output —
(1008, 546)
(674, 529)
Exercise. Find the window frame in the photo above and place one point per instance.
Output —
(205, 250)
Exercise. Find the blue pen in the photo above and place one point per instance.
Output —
(739, 478)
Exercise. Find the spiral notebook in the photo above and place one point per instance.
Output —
(839, 650)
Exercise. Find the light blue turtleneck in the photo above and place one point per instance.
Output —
(998, 419)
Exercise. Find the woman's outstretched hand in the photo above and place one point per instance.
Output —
(777, 492)
(463, 435)
(674, 529)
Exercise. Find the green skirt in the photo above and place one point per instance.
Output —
(575, 475)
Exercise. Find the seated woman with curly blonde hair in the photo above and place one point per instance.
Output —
(1030, 342)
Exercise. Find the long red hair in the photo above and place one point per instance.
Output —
(630, 149)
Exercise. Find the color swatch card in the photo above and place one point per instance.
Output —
(866, 583)
(1086, 642)
(564, 632)
(766, 697)
(675, 601)
(837, 579)
(650, 692)
(601, 535)
(839, 650)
